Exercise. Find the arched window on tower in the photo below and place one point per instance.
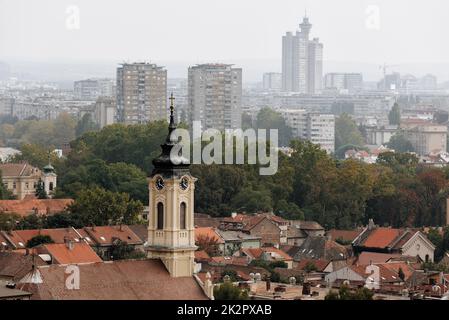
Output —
(160, 216)
(51, 187)
(182, 215)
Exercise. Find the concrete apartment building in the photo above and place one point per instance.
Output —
(141, 93)
(344, 82)
(318, 128)
(91, 89)
(215, 96)
(105, 111)
(427, 138)
(302, 61)
(272, 81)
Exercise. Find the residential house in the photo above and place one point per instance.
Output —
(236, 240)
(205, 220)
(101, 239)
(319, 247)
(67, 253)
(344, 237)
(269, 254)
(370, 276)
(208, 239)
(406, 242)
(15, 265)
(256, 225)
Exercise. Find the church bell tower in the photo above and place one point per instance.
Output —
(171, 230)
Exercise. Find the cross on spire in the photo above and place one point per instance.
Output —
(172, 103)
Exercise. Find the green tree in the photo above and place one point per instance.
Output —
(270, 119)
(85, 124)
(97, 206)
(8, 221)
(64, 129)
(121, 250)
(40, 190)
(227, 291)
(400, 143)
(38, 240)
(394, 117)
(347, 132)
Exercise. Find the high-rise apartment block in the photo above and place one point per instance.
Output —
(141, 93)
(344, 82)
(91, 89)
(215, 96)
(318, 128)
(272, 81)
(105, 108)
(302, 61)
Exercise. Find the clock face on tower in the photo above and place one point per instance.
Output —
(160, 183)
(184, 184)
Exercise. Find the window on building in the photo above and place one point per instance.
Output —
(14, 185)
(160, 216)
(182, 213)
(50, 187)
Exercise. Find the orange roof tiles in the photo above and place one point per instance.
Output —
(201, 255)
(238, 261)
(319, 264)
(29, 206)
(345, 235)
(375, 257)
(207, 232)
(395, 266)
(62, 254)
(381, 237)
(105, 235)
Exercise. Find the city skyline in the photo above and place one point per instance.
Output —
(39, 33)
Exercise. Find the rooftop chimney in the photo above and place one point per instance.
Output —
(371, 224)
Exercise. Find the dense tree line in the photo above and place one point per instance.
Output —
(309, 184)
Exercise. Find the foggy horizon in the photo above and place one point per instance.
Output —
(247, 33)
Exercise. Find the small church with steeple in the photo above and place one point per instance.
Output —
(171, 229)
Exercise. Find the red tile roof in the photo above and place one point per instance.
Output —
(201, 255)
(105, 235)
(208, 232)
(29, 206)
(237, 261)
(256, 253)
(345, 235)
(62, 254)
(366, 258)
(395, 266)
(386, 274)
(18, 170)
(319, 264)
(381, 237)
(21, 237)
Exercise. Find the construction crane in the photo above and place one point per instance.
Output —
(384, 68)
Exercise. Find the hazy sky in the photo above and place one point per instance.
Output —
(409, 31)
